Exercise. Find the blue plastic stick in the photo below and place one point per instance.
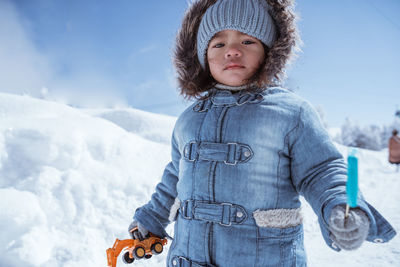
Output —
(352, 179)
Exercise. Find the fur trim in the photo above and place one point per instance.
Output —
(173, 212)
(278, 218)
(193, 80)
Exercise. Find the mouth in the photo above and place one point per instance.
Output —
(233, 66)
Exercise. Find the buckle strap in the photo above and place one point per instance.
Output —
(226, 100)
(179, 261)
(225, 214)
(190, 151)
(230, 100)
(229, 153)
(250, 98)
(202, 105)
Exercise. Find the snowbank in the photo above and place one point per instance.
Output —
(69, 182)
(71, 179)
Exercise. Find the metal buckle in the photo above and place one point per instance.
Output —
(234, 163)
(230, 210)
(184, 209)
(200, 106)
(183, 258)
(190, 150)
(228, 163)
(248, 95)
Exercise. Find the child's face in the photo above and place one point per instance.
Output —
(234, 57)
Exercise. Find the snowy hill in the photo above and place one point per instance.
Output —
(71, 179)
(148, 125)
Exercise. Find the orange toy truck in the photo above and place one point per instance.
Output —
(135, 249)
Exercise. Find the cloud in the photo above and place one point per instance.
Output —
(147, 49)
(23, 69)
(87, 89)
(26, 70)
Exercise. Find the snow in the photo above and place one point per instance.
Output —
(70, 180)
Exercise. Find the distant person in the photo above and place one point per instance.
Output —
(246, 150)
(394, 149)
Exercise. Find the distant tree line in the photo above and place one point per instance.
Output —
(371, 137)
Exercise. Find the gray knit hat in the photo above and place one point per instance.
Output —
(248, 16)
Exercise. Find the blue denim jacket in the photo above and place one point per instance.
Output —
(240, 161)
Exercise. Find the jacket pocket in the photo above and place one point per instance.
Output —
(280, 246)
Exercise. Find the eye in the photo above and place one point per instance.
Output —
(247, 42)
(218, 45)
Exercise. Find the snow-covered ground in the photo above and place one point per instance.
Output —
(70, 180)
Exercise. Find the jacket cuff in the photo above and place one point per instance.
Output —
(150, 222)
(364, 206)
(384, 231)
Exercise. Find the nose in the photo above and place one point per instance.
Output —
(233, 52)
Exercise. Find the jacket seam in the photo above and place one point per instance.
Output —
(287, 136)
(285, 143)
(278, 173)
(194, 178)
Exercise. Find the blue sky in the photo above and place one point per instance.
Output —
(118, 53)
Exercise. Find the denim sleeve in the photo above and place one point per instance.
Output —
(319, 173)
(154, 215)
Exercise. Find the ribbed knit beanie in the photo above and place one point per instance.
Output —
(247, 16)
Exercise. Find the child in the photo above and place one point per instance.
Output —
(245, 151)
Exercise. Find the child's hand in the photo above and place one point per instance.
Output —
(348, 233)
(141, 233)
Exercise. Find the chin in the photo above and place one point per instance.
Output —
(234, 83)
(231, 82)
(236, 80)
(237, 84)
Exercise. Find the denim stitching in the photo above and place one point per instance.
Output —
(187, 243)
(296, 127)
(221, 123)
(277, 180)
(194, 178)
(285, 143)
(294, 250)
(175, 236)
(210, 240)
(257, 245)
(281, 253)
(206, 245)
(210, 191)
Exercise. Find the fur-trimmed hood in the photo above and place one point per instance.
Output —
(193, 80)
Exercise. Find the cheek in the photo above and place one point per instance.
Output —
(213, 69)
(214, 64)
(215, 57)
(212, 59)
(257, 60)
